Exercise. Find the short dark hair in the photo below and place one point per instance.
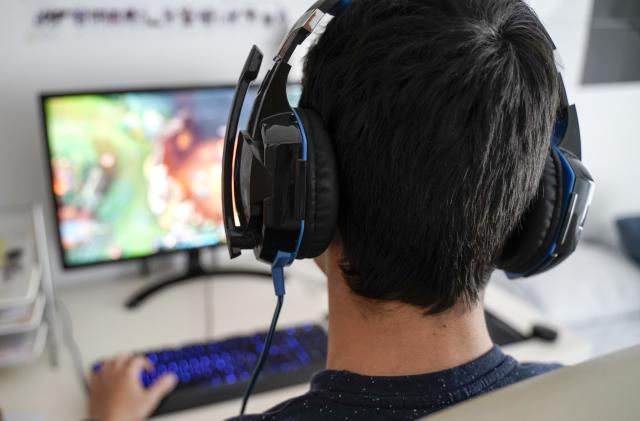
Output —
(441, 114)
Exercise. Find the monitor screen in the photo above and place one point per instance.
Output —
(137, 173)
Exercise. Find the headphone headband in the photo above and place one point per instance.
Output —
(306, 24)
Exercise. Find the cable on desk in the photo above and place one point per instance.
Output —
(72, 345)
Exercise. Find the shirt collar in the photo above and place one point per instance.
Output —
(476, 374)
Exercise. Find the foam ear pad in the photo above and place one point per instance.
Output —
(537, 231)
(322, 187)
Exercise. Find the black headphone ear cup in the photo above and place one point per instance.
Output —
(531, 241)
(322, 193)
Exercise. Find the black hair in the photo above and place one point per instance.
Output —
(441, 113)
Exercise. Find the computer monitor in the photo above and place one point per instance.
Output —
(137, 173)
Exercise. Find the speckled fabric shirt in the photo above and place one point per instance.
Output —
(341, 395)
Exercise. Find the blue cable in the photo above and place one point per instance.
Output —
(277, 273)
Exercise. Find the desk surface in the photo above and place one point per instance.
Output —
(198, 311)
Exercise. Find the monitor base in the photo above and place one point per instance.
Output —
(194, 272)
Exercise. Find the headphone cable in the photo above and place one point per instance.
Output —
(277, 273)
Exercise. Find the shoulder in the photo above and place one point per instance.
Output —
(533, 369)
(523, 371)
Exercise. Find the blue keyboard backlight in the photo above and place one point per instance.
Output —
(231, 361)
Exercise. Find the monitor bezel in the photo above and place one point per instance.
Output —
(43, 96)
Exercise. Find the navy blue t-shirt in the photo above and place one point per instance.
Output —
(341, 395)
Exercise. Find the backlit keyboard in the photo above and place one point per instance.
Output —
(217, 371)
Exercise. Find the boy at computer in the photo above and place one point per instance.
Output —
(441, 113)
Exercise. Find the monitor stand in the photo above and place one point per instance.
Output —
(194, 271)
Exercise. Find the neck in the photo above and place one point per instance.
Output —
(394, 339)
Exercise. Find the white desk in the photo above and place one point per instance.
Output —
(103, 328)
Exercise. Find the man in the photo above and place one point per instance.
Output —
(441, 113)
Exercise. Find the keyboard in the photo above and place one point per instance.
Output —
(217, 371)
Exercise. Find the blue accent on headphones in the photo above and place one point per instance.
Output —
(305, 143)
(305, 152)
(568, 187)
(559, 131)
(569, 179)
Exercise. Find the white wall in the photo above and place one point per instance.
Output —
(34, 61)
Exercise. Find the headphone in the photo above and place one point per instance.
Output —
(281, 176)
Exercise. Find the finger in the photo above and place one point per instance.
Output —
(95, 382)
(106, 367)
(139, 363)
(119, 361)
(148, 365)
(161, 388)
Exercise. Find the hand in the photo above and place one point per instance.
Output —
(117, 393)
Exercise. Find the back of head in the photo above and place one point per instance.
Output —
(441, 114)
